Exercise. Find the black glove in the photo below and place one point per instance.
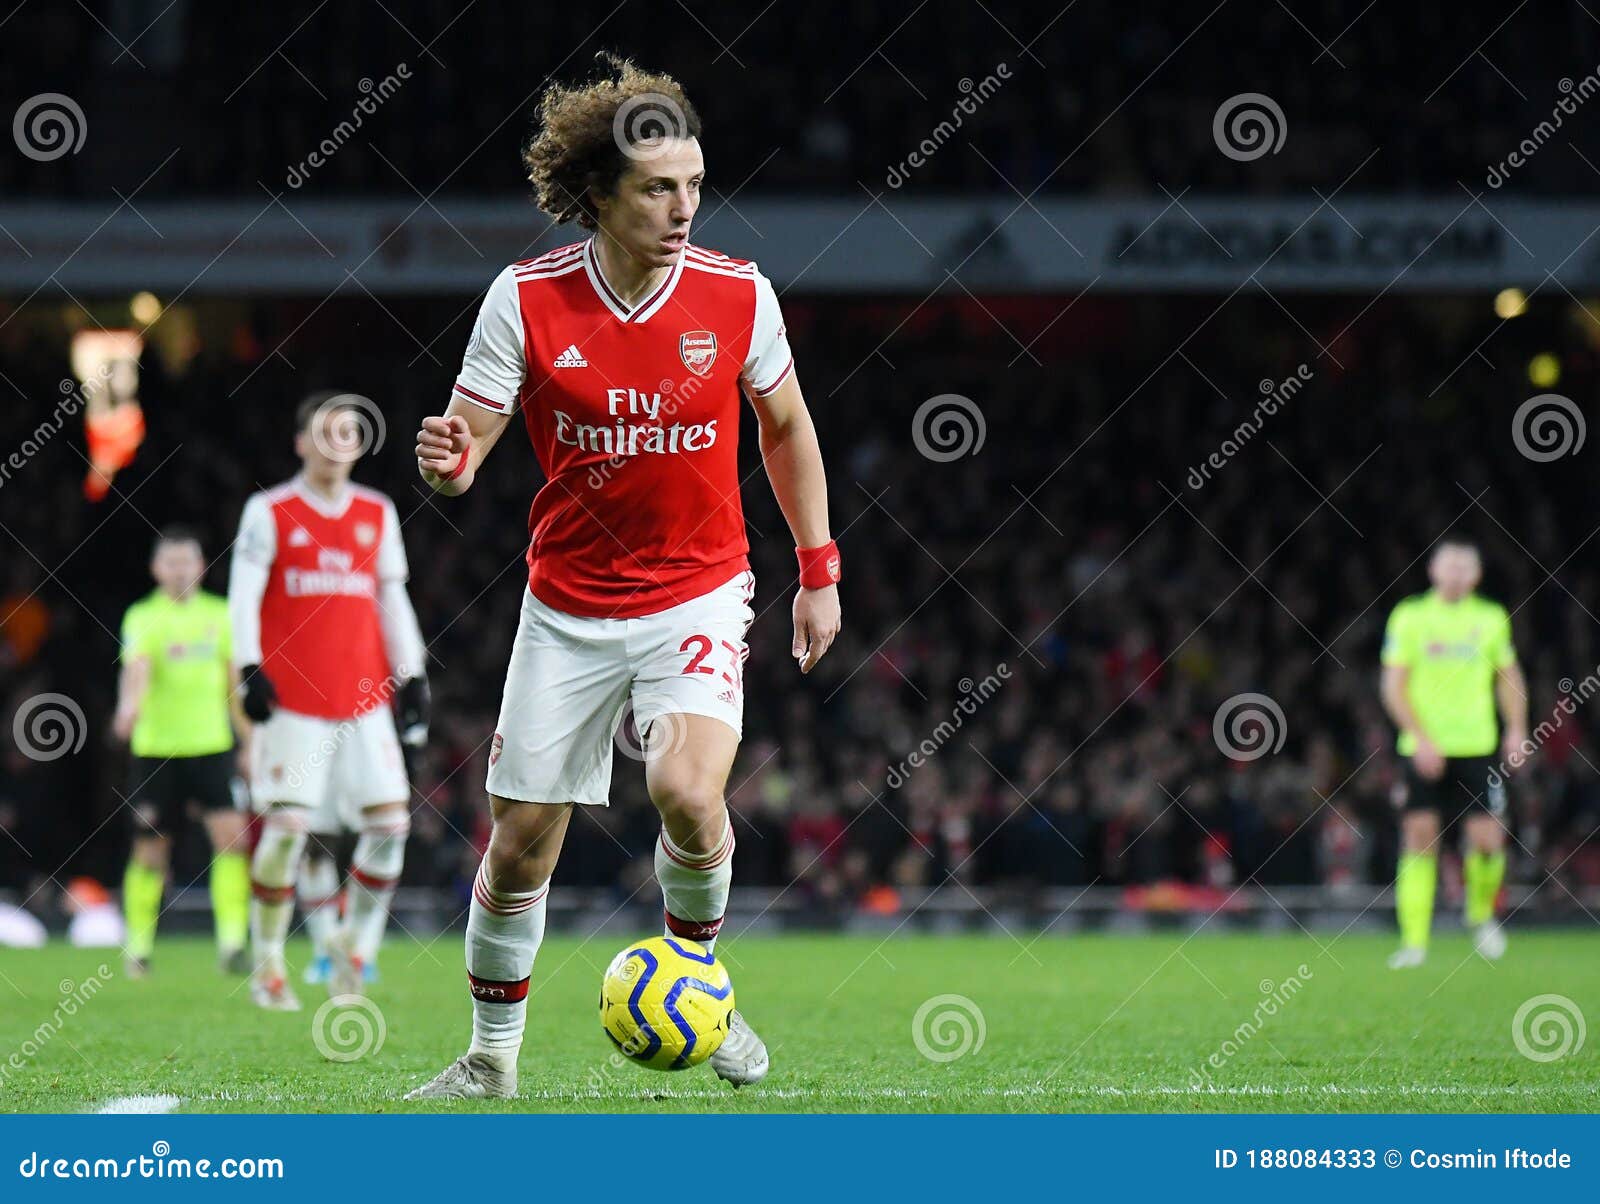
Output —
(260, 698)
(412, 705)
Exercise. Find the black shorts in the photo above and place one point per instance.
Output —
(1468, 785)
(160, 790)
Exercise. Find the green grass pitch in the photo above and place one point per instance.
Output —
(1082, 1023)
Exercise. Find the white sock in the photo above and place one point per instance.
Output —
(504, 930)
(694, 887)
(317, 892)
(272, 875)
(374, 872)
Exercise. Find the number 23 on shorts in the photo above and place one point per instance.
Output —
(707, 657)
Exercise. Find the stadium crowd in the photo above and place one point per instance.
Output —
(1050, 621)
(1146, 79)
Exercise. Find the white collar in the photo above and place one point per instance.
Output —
(324, 507)
(613, 300)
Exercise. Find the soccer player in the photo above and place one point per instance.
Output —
(1447, 660)
(625, 356)
(173, 708)
(325, 639)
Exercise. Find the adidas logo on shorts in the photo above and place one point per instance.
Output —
(571, 358)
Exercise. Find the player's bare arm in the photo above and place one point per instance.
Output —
(1397, 702)
(1511, 696)
(450, 448)
(793, 459)
(132, 683)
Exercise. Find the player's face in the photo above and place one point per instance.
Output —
(332, 442)
(1455, 571)
(654, 205)
(178, 565)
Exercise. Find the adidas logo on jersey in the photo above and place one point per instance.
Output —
(571, 358)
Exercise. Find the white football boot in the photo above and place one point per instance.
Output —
(471, 1076)
(1489, 940)
(271, 991)
(741, 1059)
(344, 967)
(1407, 958)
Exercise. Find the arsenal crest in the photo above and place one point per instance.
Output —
(366, 534)
(699, 351)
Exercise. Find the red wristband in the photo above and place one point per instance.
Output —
(819, 567)
(461, 465)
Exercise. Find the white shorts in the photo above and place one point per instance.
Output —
(571, 679)
(334, 767)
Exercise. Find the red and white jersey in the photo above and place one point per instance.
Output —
(634, 416)
(321, 634)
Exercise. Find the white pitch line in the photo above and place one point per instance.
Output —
(138, 1105)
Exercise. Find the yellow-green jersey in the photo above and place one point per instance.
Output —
(1453, 650)
(184, 712)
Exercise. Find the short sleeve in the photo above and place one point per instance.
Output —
(1504, 653)
(136, 633)
(770, 362)
(492, 371)
(258, 533)
(1399, 637)
(392, 564)
(224, 631)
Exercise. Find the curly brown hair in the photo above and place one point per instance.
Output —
(585, 133)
